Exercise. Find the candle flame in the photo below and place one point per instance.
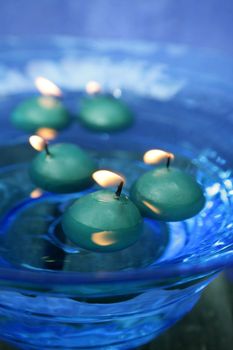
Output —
(47, 87)
(47, 133)
(106, 178)
(155, 156)
(37, 142)
(104, 238)
(93, 87)
(36, 193)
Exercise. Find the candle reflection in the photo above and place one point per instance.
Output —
(47, 133)
(104, 238)
(36, 193)
(152, 207)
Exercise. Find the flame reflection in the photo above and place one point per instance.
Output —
(152, 207)
(37, 193)
(47, 102)
(103, 238)
(47, 133)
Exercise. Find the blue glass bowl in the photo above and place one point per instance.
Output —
(56, 296)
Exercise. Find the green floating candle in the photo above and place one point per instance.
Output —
(63, 168)
(40, 112)
(103, 113)
(168, 194)
(103, 221)
(45, 111)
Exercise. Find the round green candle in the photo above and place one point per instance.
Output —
(104, 113)
(102, 222)
(40, 112)
(67, 168)
(168, 194)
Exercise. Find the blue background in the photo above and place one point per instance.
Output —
(204, 23)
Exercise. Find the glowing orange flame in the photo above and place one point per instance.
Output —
(37, 142)
(37, 193)
(155, 156)
(47, 133)
(93, 87)
(104, 238)
(47, 87)
(106, 178)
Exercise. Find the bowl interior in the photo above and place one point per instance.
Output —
(182, 102)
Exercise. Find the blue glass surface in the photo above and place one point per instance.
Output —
(182, 102)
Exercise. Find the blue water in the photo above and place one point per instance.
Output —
(35, 223)
(118, 315)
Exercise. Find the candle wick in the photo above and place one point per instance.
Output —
(46, 148)
(119, 189)
(168, 162)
